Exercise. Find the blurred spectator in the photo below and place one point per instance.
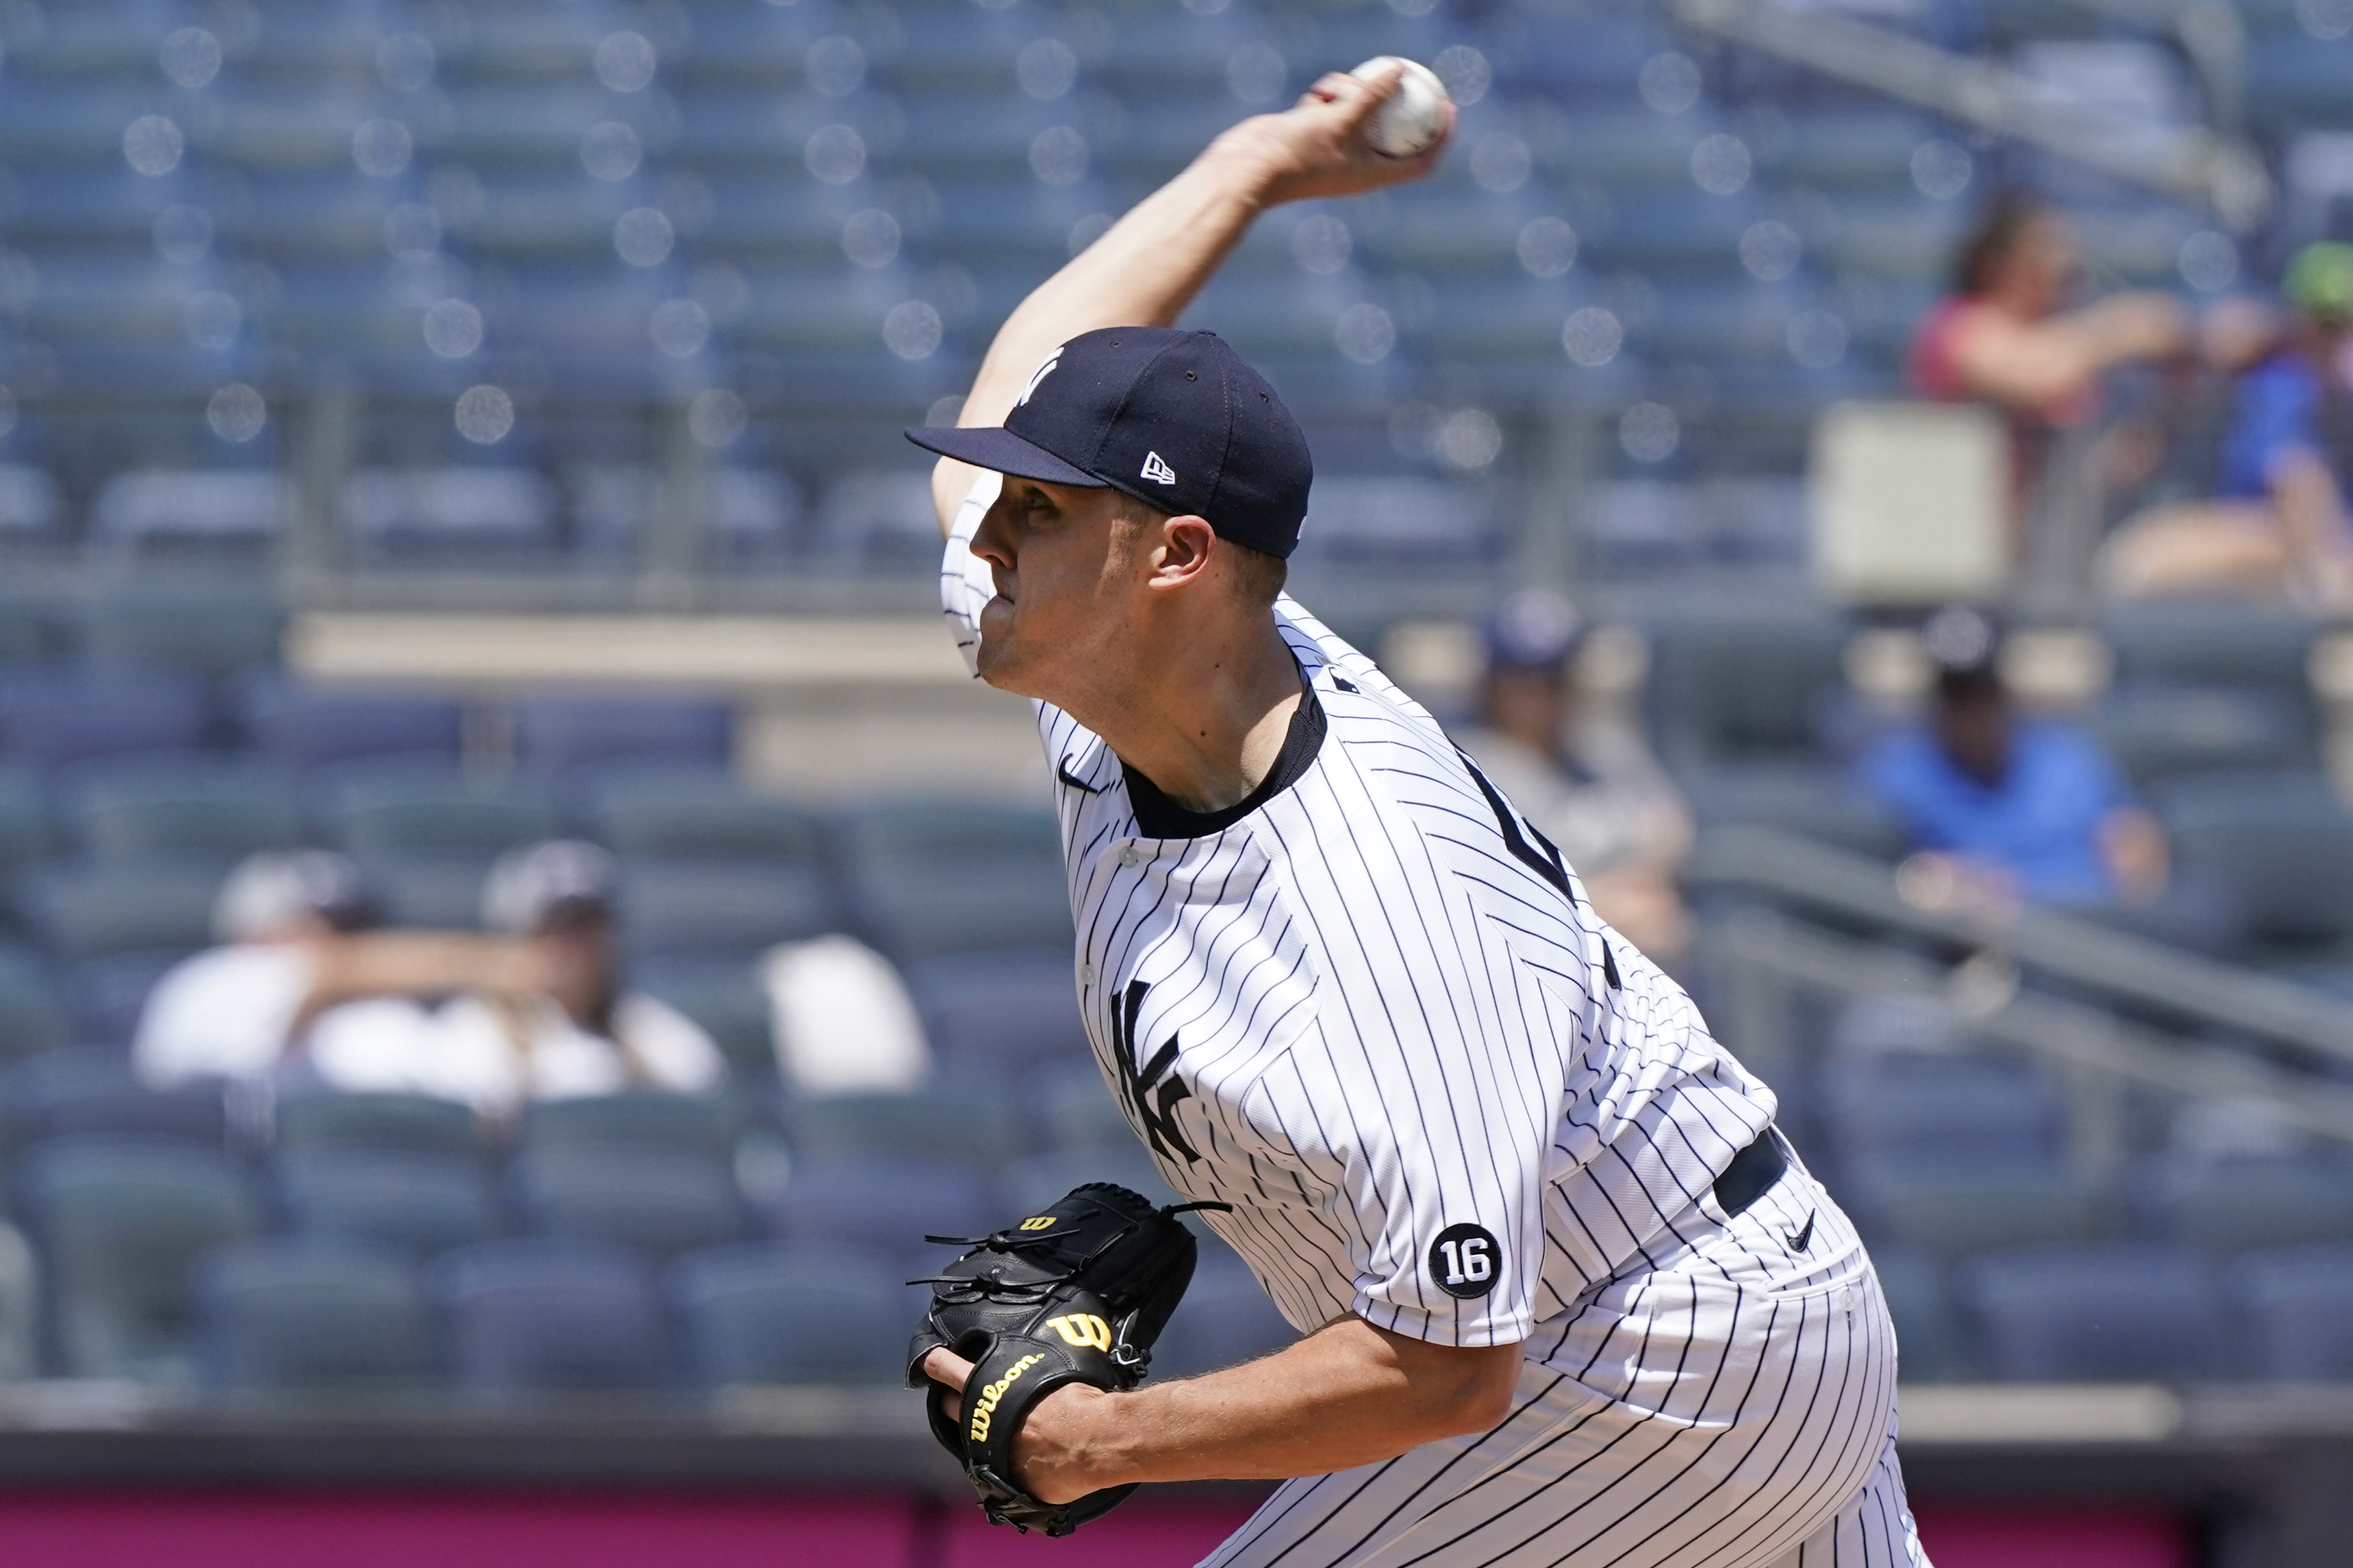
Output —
(2278, 523)
(2015, 808)
(2005, 338)
(584, 1034)
(299, 989)
(842, 1019)
(1584, 779)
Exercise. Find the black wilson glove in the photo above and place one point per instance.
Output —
(1075, 1294)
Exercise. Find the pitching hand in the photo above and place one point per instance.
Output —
(1047, 1451)
(1317, 147)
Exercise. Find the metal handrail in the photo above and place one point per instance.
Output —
(1803, 874)
(2193, 162)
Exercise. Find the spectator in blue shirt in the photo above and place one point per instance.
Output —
(2015, 806)
(2278, 523)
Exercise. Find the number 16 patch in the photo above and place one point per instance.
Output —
(1464, 1260)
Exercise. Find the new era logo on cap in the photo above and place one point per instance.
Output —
(1173, 418)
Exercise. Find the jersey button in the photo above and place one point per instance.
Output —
(1130, 855)
(1086, 974)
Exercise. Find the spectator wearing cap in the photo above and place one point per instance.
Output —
(581, 1034)
(2021, 807)
(301, 990)
(2279, 523)
(1583, 777)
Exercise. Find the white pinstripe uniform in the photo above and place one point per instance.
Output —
(1371, 1009)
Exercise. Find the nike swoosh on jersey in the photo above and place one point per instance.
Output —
(1798, 1242)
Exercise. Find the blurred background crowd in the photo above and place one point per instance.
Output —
(1867, 477)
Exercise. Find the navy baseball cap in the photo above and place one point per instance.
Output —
(1173, 418)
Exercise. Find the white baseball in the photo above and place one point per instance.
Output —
(1414, 115)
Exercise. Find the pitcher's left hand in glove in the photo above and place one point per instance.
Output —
(1075, 1294)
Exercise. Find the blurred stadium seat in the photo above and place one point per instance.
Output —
(91, 1089)
(302, 1314)
(420, 1203)
(885, 1202)
(647, 1118)
(119, 1220)
(999, 1011)
(306, 727)
(544, 1315)
(418, 1123)
(2098, 1314)
(660, 1202)
(791, 1312)
(964, 1119)
(936, 877)
(192, 808)
(558, 736)
(2300, 1301)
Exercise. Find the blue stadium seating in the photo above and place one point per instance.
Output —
(1950, 1208)
(931, 878)
(418, 1202)
(692, 814)
(416, 1123)
(227, 810)
(2098, 1314)
(660, 1202)
(790, 1312)
(91, 1089)
(965, 1118)
(1000, 1010)
(54, 716)
(2281, 842)
(302, 1314)
(556, 735)
(543, 1315)
(649, 1119)
(434, 813)
(33, 1015)
(887, 1203)
(2300, 1302)
(2230, 1206)
(674, 904)
(82, 912)
(119, 1220)
(305, 727)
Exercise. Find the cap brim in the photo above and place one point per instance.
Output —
(995, 447)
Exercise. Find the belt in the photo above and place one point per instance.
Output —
(1752, 1171)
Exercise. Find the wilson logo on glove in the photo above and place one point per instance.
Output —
(986, 1406)
(1077, 1294)
(1083, 1329)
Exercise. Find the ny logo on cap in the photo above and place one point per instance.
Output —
(1158, 470)
(1053, 358)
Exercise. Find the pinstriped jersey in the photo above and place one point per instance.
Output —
(1371, 1009)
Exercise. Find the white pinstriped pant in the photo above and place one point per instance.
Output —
(1733, 1406)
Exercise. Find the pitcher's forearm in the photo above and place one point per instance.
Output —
(1142, 273)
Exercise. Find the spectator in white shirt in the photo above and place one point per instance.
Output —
(586, 1035)
(1584, 777)
(300, 991)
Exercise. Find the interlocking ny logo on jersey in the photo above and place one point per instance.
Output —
(1052, 358)
(1156, 469)
(1157, 1112)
